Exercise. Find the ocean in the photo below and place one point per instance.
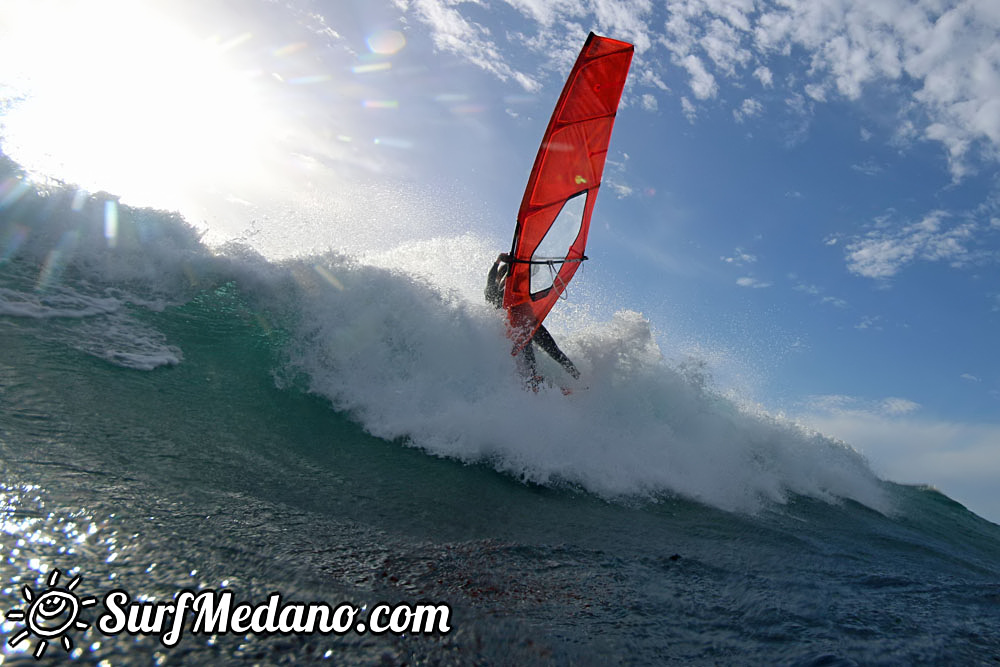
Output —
(349, 428)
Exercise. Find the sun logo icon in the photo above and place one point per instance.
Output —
(51, 614)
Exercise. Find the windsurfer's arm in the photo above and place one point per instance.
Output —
(494, 286)
(548, 345)
(495, 280)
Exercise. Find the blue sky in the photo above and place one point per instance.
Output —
(804, 191)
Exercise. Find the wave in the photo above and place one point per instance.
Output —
(400, 339)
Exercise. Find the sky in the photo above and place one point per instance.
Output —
(803, 192)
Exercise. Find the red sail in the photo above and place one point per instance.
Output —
(554, 217)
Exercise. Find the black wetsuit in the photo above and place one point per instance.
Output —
(494, 294)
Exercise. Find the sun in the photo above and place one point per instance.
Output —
(51, 614)
(121, 96)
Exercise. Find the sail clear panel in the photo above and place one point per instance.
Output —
(556, 243)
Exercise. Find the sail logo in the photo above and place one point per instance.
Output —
(52, 614)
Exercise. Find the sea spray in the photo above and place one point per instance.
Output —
(417, 356)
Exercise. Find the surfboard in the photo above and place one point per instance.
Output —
(554, 218)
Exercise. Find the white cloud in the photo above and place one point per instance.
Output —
(899, 406)
(816, 91)
(739, 258)
(942, 56)
(834, 301)
(624, 19)
(702, 82)
(765, 76)
(883, 252)
(545, 12)
(621, 190)
(946, 54)
(689, 109)
(453, 33)
(869, 322)
(869, 168)
(723, 46)
(735, 12)
(839, 404)
(748, 281)
(650, 77)
(649, 102)
(970, 377)
(615, 176)
(813, 290)
(748, 109)
(800, 109)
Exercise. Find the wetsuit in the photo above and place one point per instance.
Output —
(494, 294)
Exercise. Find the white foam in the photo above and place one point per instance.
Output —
(126, 342)
(413, 358)
(97, 325)
(402, 338)
(59, 302)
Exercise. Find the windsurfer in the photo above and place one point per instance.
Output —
(526, 358)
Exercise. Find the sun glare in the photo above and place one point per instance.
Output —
(114, 95)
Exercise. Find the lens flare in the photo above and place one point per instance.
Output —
(111, 223)
(372, 67)
(289, 49)
(386, 42)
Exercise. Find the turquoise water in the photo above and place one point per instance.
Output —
(179, 417)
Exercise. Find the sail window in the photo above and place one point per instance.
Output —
(554, 246)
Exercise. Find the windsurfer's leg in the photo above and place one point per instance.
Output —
(527, 365)
(548, 345)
